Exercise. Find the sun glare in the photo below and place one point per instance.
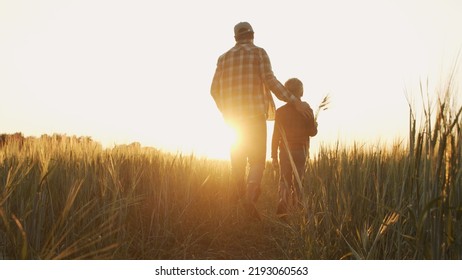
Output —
(217, 146)
(212, 138)
(112, 80)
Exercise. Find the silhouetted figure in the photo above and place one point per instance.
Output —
(241, 89)
(291, 136)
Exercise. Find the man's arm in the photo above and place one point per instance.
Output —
(270, 80)
(278, 89)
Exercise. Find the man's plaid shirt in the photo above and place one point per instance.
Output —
(242, 83)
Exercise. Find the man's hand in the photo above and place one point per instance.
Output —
(304, 108)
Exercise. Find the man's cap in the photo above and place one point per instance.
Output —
(242, 28)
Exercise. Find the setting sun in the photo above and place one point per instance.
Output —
(114, 141)
(77, 68)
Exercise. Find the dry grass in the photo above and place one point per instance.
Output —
(71, 200)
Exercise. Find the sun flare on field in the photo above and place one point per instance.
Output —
(120, 76)
(204, 135)
(215, 141)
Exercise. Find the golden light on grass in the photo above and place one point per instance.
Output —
(69, 198)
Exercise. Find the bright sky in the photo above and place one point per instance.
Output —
(124, 71)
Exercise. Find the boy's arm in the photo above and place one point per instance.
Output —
(314, 130)
(311, 123)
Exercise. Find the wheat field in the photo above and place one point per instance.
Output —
(68, 198)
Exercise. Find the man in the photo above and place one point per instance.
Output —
(241, 89)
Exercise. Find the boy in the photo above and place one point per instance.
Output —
(292, 132)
